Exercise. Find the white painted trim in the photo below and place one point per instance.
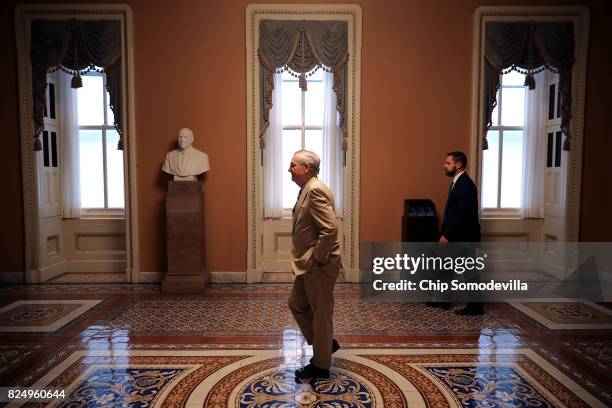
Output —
(580, 16)
(23, 16)
(52, 271)
(346, 12)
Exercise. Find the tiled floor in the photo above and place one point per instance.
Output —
(237, 346)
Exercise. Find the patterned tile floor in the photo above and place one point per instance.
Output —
(237, 346)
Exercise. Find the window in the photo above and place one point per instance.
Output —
(302, 121)
(502, 163)
(101, 164)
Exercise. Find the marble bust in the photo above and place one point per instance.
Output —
(186, 162)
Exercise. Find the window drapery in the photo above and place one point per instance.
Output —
(75, 46)
(528, 47)
(274, 168)
(300, 47)
(332, 156)
(532, 198)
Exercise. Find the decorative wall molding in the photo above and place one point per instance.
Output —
(580, 17)
(24, 14)
(53, 246)
(96, 266)
(279, 236)
(79, 244)
(347, 12)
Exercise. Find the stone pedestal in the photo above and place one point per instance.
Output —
(185, 239)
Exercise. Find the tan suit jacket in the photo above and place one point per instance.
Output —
(315, 228)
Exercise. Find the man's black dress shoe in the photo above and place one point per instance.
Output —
(335, 347)
(441, 305)
(466, 311)
(311, 371)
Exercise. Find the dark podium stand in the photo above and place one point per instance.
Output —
(185, 239)
(419, 221)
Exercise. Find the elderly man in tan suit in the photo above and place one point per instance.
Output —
(316, 263)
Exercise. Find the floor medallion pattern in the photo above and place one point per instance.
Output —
(121, 387)
(42, 315)
(491, 380)
(35, 315)
(564, 313)
(268, 383)
(489, 386)
(570, 312)
(129, 381)
(360, 378)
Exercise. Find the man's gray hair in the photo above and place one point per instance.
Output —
(310, 158)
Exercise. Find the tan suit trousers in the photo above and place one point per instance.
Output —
(312, 304)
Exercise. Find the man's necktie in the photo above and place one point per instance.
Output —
(298, 199)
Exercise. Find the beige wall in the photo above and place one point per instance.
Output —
(416, 93)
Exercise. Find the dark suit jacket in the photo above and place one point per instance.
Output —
(460, 222)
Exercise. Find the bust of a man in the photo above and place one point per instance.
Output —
(186, 162)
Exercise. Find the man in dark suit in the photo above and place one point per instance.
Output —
(461, 221)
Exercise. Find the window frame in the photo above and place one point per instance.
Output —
(499, 211)
(287, 212)
(302, 127)
(106, 211)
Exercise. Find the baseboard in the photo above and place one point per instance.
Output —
(150, 277)
(49, 272)
(215, 277)
(228, 277)
(254, 275)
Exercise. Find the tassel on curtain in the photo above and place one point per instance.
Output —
(302, 47)
(76, 47)
(529, 47)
